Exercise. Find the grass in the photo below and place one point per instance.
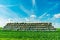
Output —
(30, 35)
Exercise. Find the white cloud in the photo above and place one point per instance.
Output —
(6, 5)
(27, 20)
(46, 13)
(33, 2)
(57, 15)
(25, 10)
(43, 15)
(50, 9)
(56, 25)
(55, 21)
(2, 6)
(3, 22)
(6, 14)
(29, 12)
(33, 16)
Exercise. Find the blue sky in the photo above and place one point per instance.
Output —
(30, 11)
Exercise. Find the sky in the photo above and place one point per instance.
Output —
(30, 11)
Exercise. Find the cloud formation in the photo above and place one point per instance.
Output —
(33, 2)
(57, 15)
(5, 14)
(6, 5)
(33, 16)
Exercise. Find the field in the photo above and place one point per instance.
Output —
(30, 35)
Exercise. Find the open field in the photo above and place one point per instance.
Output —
(30, 35)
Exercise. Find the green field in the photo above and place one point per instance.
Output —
(30, 35)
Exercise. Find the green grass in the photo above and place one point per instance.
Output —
(30, 35)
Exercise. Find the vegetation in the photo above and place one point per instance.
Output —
(30, 35)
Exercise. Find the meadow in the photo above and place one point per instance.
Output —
(30, 35)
